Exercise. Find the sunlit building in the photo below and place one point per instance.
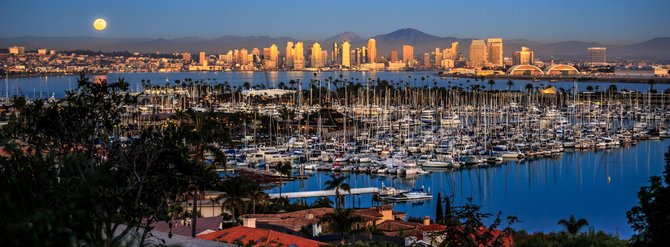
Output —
(597, 56)
(372, 51)
(346, 54)
(561, 69)
(289, 54)
(438, 57)
(186, 57)
(495, 52)
(478, 54)
(426, 59)
(299, 56)
(394, 56)
(316, 58)
(202, 58)
(451, 53)
(336, 54)
(524, 56)
(525, 70)
(407, 54)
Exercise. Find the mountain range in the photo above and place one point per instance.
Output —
(657, 48)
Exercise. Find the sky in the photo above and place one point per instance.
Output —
(605, 21)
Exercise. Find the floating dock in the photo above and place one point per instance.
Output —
(320, 193)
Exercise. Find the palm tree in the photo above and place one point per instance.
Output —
(337, 183)
(233, 199)
(651, 84)
(573, 225)
(343, 221)
(529, 87)
(491, 83)
(284, 168)
(510, 83)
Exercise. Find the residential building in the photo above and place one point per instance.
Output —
(478, 56)
(495, 52)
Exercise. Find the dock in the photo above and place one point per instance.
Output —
(320, 193)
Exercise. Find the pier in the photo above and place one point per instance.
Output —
(320, 193)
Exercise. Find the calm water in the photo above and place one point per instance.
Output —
(46, 86)
(540, 192)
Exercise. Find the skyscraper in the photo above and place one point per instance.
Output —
(186, 56)
(335, 58)
(289, 54)
(316, 56)
(407, 54)
(450, 53)
(524, 56)
(346, 54)
(495, 51)
(426, 59)
(372, 51)
(438, 57)
(597, 56)
(478, 53)
(202, 58)
(299, 56)
(394, 56)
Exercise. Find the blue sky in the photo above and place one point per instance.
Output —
(608, 21)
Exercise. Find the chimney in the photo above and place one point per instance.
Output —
(249, 222)
(426, 220)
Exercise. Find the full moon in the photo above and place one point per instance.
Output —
(99, 24)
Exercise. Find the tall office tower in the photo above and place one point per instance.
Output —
(202, 58)
(324, 57)
(346, 54)
(438, 57)
(315, 58)
(495, 52)
(336, 56)
(450, 53)
(299, 56)
(426, 59)
(394, 56)
(186, 56)
(524, 56)
(255, 55)
(244, 56)
(229, 57)
(597, 56)
(289, 55)
(364, 54)
(407, 54)
(274, 54)
(478, 53)
(357, 56)
(372, 51)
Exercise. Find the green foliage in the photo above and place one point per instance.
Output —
(337, 183)
(651, 217)
(573, 225)
(343, 221)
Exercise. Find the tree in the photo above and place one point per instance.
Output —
(99, 188)
(529, 87)
(651, 83)
(510, 83)
(491, 83)
(284, 168)
(573, 225)
(323, 201)
(650, 219)
(337, 183)
(235, 189)
(343, 221)
(439, 214)
(589, 88)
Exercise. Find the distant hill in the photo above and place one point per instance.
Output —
(658, 48)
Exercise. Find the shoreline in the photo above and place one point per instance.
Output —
(615, 79)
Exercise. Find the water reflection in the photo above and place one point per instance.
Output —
(598, 185)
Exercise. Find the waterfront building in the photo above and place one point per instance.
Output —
(525, 70)
(299, 56)
(452, 52)
(17, 50)
(364, 55)
(41, 51)
(372, 51)
(289, 55)
(561, 69)
(202, 58)
(524, 56)
(316, 59)
(394, 56)
(426, 59)
(478, 56)
(597, 56)
(186, 57)
(346, 54)
(407, 54)
(438, 57)
(335, 57)
(495, 52)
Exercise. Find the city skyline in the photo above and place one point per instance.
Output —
(150, 20)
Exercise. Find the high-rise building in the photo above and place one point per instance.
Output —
(451, 53)
(524, 56)
(202, 58)
(289, 55)
(478, 53)
(316, 56)
(426, 59)
(394, 56)
(597, 56)
(372, 51)
(438, 57)
(299, 56)
(357, 56)
(364, 54)
(17, 50)
(495, 52)
(346, 54)
(244, 57)
(335, 57)
(407, 54)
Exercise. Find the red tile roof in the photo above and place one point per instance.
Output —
(291, 220)
(259, 237)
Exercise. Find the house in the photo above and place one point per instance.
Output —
(258, 237)
(184, 228)
(291, 221)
